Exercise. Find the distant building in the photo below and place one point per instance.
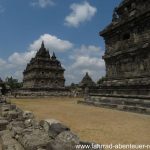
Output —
(87, 81)
(43, 72)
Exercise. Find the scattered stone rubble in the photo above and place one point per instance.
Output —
(20, 131)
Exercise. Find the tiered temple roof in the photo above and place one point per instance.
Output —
(43, 71)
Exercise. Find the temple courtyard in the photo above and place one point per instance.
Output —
(93, 124)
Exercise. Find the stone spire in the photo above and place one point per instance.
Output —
(42, 45)
(53, 56)
(42, 51)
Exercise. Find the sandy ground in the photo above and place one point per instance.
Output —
(91, 123)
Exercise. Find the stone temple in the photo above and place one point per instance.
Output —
(43, 72)
(127, 59)
(127, 40)
(87, 81)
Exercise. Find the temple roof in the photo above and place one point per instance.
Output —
(43, 52)
(128, 11)
(87, 81)
(43, 59)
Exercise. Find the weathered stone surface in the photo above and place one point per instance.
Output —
(47, 123)
(12, 115)
(43, 72)
(8, 143)
(3, 124)
(28, 115)
(57, 128)
(127, 60)
(67, 137)
(20, 131)
(34, 139)
(127, 54)
(64, 141)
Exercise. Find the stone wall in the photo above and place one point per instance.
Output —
(19, 130)
(41, 92)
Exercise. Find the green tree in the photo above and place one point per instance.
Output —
(101, 80)
(13, 83)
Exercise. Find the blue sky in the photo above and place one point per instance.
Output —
(70, 28)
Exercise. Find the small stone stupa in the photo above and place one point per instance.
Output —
(87, 81)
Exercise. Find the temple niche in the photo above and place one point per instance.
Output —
(43, 72)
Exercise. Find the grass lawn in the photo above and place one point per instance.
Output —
(91, 123)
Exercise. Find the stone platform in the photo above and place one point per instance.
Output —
(120, 99)
(37, 92)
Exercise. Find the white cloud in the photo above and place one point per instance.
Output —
(85, 59)
(2, 62)
(80, 13)
(51, 42)
(42, 3)
(21, 58)
(87, 62)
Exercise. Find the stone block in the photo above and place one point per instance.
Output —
(64, 141)
(47, 123)
(16, 131)
(3, 124)
(34, 139)
(57, 128)
(120, 107)
(12, 115)
(8, 143)
(15, 123)
(28, 115)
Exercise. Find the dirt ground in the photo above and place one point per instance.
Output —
(91, 123)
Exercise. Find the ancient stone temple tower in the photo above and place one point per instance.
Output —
(43, 72)
(127, 40)
(127, 58)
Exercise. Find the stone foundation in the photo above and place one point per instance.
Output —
(42, 92)
(119, 98)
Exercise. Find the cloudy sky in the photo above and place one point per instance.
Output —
(70, 28)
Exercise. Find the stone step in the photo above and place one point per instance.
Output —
(121, 101)
(136, 109)
(122, 96)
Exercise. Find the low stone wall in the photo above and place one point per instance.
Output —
(136, 104)
(19, 130)
(22, 93)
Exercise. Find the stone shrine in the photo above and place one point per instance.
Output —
(44, 71)
(127, 58)
(43, 76)
(87, 81)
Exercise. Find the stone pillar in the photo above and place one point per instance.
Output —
(86, 94)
